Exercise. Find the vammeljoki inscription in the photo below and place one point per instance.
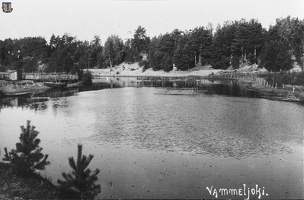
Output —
(242, 192)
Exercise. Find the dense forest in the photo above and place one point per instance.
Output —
(230, 44)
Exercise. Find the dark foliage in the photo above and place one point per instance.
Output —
(286, 78)
(276, 53)
(144, 64)
(113, 51)
(87, 78)
(30, 65)
(233, 43)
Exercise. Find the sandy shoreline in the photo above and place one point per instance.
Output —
(134, 70)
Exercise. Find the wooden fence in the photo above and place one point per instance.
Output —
(50, 76)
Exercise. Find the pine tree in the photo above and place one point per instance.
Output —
(276, 54)
(80, 179)
(27, 155)
(177, 57)
(166, 63)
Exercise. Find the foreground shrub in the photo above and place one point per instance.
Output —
(27, 155)
(81, 180)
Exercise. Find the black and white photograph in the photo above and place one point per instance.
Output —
(151, 99)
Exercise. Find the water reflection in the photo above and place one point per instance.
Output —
(219, 87)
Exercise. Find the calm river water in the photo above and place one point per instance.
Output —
(168, 139)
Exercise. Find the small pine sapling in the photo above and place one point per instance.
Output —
(27, 155)
(80, 179)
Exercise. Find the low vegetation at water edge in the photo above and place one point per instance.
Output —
(286, 78)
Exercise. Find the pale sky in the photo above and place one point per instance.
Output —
(84, 19)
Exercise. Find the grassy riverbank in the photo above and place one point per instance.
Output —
(17, 185)
(10, 88)
(25, 86)
(286, 94)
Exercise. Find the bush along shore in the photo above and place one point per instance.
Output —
(19, 178)
(22, 87)
(8, 88)
(15, 88)
(291, 93)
